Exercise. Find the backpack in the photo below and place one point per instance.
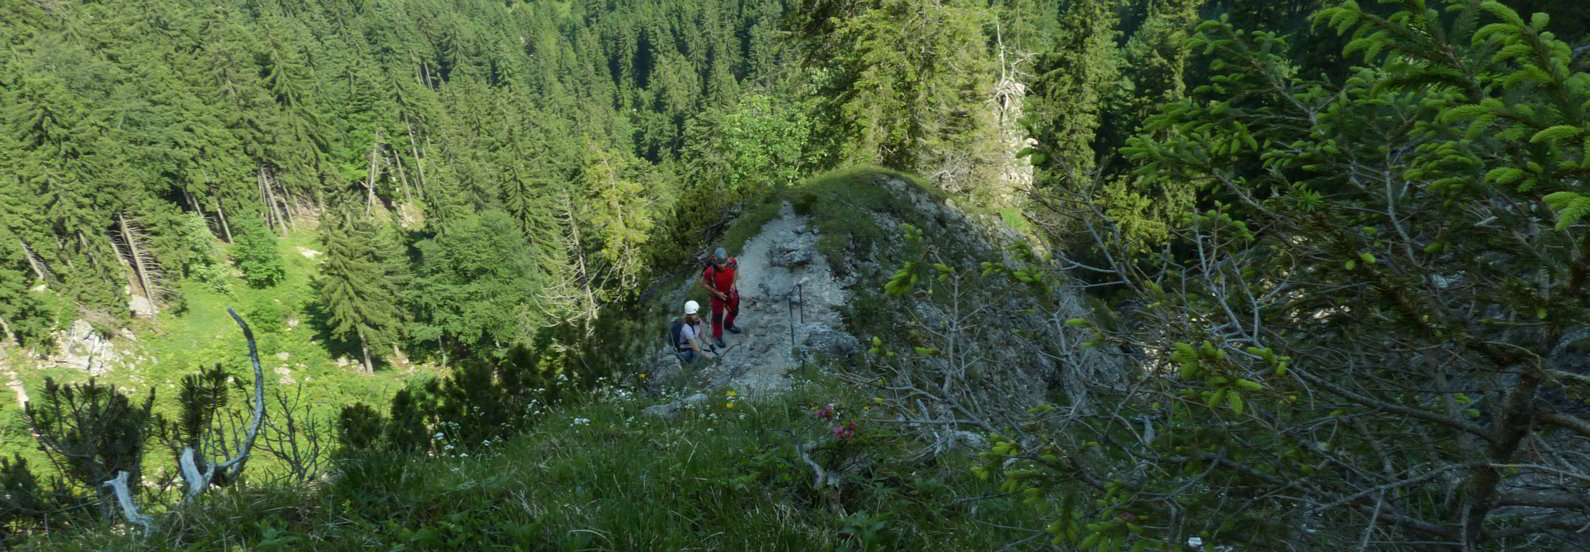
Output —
(673, 334)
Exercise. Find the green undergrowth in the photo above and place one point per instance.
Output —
(605, 476)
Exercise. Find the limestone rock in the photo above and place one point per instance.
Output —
(141, 306)
(790, 256)
(84, 348)
(1572, 355)
(286, 375)
(672, 409)
(972, 441)
(829, 345)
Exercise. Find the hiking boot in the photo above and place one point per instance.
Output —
(733, 329)
(719, 343)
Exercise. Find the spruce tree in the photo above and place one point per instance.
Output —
(1076, 80)
(24, 320)
(915, 80)
(359, 284)
(474, 286)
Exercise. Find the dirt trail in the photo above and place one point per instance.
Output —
(11, 380)
(789, 300)
(788, 296)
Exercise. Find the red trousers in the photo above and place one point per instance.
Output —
(721, 320)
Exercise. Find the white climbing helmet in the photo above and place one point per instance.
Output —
(692, 307)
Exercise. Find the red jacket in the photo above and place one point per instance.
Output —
(720, 279)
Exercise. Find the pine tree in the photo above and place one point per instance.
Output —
(1075, 82)
(916, 78)
(91, 432)
(359, 284)
(1409, 205)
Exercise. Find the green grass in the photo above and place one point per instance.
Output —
(205, 334)
(202, 334)
(718, 478)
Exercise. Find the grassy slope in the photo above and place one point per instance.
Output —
(603, 476)
(203, 334)
(840, 204)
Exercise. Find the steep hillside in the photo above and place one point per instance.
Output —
(786, 444)
(818, 262)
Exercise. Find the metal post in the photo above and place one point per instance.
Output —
(789, 302)
(800, 291)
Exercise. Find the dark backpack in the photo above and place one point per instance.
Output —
(673, 334)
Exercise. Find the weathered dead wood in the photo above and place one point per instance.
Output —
(196, 472)
(139, 264)
(33, 262)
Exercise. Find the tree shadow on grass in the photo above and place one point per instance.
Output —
(319, 321)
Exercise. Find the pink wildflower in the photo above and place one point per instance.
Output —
(844, 432)
(826, 412)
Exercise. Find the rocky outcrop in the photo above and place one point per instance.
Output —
(85, 348)
(789, 310)
(1005, 349)
(827, 345)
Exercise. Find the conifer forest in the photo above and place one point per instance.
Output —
(1072, 275)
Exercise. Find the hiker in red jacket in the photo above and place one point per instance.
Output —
(720, 280)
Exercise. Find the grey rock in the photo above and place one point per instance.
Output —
(84, 348)
(669, 410)
(790, 256)
(1572, 355)
(665, 371)
(829, 345)
(971, 441)
(141, 306)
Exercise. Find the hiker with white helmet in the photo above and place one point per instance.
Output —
(686, 335)
(721, 279)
